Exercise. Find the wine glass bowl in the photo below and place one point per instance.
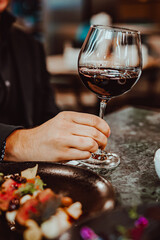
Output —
(109, 64)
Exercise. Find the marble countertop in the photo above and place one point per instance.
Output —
(135, 136)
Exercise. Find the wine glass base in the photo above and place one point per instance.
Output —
(104, 160)
(99, 161)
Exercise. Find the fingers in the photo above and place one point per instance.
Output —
(78, 142)
(84, 144)
(75, 154)
(93, 133)
(70, 136)
(86, 125)
(93, 121)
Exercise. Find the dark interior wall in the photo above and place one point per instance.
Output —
(108, 6)
(138, 11)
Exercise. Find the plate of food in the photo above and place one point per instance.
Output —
(41, 200)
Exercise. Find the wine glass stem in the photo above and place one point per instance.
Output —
(103, 105)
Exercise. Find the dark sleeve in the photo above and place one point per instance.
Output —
(43, 103)
(5, 131)
(51, 109)
(47, 102)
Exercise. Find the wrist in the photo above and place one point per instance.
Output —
(15, 146)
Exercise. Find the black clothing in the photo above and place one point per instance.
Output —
(11, 101)
(26, 97)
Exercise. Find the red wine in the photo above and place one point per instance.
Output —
(107, 83)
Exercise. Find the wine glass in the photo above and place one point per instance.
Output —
(109, 64)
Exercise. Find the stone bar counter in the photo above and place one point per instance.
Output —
(135, 136)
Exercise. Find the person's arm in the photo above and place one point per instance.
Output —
(68, 136)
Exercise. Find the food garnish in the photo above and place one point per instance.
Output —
(30, 173)
(41, 212)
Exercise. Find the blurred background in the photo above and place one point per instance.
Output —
(62, 25)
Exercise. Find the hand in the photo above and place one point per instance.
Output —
(68, 136)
